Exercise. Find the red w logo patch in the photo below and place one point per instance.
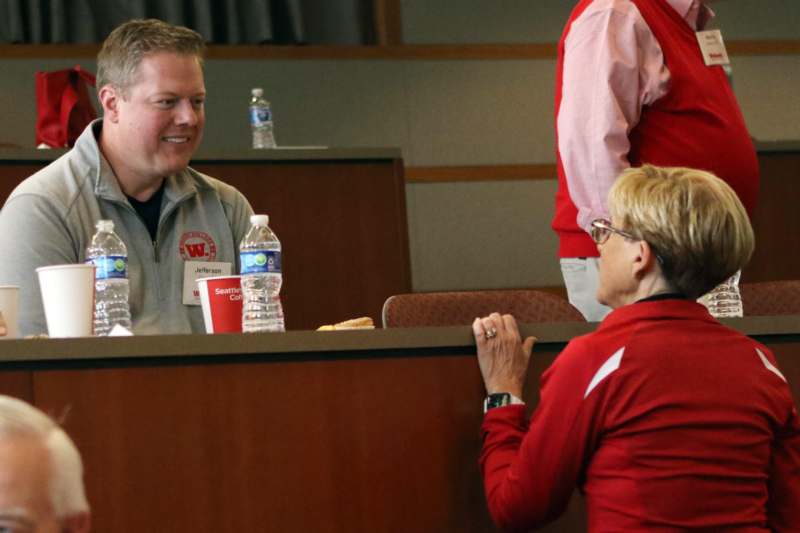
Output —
(197, 246)
(196, 250)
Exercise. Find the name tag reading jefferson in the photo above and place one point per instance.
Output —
(713, 48)
(194, 270)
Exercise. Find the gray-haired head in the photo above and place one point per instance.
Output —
(67, 493)
(125, 47)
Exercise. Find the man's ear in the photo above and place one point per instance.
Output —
(77, 523)
(109, 97)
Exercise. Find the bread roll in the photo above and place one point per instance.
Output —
(363, 322)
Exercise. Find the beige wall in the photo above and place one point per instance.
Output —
(462, 235)
(512, 21)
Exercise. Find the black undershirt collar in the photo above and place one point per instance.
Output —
(663, 296)
(149, 210)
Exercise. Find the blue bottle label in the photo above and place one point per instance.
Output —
(110, 266)
(261, 261)
(260, 115)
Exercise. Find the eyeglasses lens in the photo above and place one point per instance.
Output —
(599, 233)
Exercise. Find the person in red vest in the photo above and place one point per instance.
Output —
(665, 419)
(638, 81)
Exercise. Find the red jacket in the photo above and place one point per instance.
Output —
(664, 418)
(698, 124)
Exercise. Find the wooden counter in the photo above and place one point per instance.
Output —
(340, 215)
(359, 431)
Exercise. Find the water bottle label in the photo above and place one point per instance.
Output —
(259, 262)
(110, 266)
(260, 115)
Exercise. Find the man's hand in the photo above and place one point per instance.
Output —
(502, 356)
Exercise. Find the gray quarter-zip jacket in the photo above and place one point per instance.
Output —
(50, 219)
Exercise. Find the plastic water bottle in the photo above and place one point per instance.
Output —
(724, 300)
(110, 257)
(260, 258)
(261, 120)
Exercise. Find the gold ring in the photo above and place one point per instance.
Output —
(491, 334)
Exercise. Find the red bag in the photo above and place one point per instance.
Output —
(63, 106)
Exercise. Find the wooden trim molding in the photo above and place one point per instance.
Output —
(48, 51)
(508, 51)
(763, 48)
(480, 173)
(403, 52)
(388, 22)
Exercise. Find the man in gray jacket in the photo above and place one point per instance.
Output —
(131, 167)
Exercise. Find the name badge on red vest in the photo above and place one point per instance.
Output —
(713, 48)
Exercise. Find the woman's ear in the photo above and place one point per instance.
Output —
(644, 259)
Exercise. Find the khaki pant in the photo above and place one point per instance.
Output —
(581, 279)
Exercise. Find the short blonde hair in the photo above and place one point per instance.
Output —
(693, 220)
(129, 43)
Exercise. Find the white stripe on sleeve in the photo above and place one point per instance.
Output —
(769, 365)
(611, 364)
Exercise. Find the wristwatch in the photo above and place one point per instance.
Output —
(500, 399)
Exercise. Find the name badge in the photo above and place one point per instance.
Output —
(194, 270)
(713, 48)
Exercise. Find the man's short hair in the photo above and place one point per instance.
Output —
(693, 220)
(66, 489)
(129, 43)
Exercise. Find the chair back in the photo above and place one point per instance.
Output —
(768, 298)
(462, 307)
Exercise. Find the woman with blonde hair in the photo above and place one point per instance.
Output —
(664, 418)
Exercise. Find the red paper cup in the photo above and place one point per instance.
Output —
(221, 300)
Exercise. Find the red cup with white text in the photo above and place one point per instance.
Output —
(221, 300)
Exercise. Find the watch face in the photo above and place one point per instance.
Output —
(499, 399)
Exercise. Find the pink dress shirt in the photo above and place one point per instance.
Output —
(613, 67)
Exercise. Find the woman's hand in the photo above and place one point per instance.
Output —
(502, 356)
(3, 330)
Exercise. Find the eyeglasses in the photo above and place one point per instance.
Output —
(602, 230)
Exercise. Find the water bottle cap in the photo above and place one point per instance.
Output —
(105, 225)
(257, 91)
(259, 220)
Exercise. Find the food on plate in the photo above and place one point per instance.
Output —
(363, 322)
